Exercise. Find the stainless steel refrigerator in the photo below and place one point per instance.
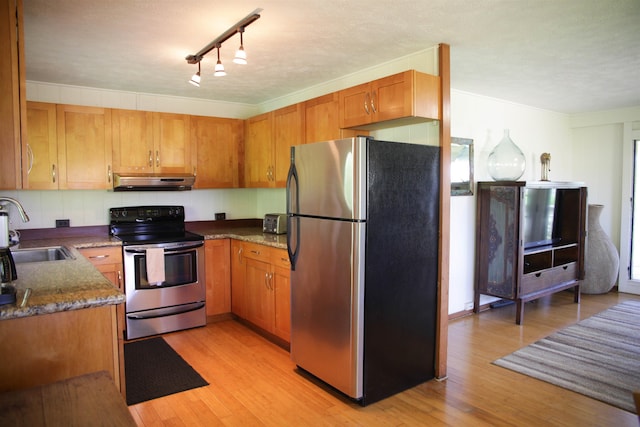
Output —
(363, 223)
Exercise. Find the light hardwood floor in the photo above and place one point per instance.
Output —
(253, 382)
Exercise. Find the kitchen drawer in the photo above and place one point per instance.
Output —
(280, 258)
(103, 255)
(544, 279)
(256, 251)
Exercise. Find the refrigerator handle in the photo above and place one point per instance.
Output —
(292, 186)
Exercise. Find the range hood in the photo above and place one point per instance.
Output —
(152, 182)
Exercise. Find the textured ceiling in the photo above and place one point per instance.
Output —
(563, 55)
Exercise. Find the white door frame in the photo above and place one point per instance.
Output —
(625, 284)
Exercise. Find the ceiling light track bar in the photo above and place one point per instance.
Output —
(238, 27)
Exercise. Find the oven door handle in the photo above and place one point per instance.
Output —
(163, 312)
(177, 249)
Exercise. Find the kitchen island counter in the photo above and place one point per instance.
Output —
(61, 285)
(76, 284)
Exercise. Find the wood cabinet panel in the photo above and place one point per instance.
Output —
(133, 149)
(258, 295)
(258, 152)
(12, 93)
(41, 147)
(403, 98)
(216, 145)
(322, 120)
(108, 260)
(288, 131)
(218, 276)
(58, 346)
(261, 289)
(238, 273)
(172, 143)
(281, 268)
(268, 142)
(84, 147)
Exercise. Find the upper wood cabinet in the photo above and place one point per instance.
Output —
(133, 149)
(258, 159)
(288, 130)
(146, 142)
(404, 98)
(322, 120)
(172, 145)
(215, 145)
(40, 148)
(12, 93)
(84, 147)
(268, 141)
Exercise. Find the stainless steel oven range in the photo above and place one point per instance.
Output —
(163, 270)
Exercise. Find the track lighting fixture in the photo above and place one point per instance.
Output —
(195, 79)
(241, 55)
(219, 70)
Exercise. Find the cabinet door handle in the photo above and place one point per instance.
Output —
(99, 256)
(240, 255)
(150, 158)
(109, 173)
(31, 158)
(53, 173)
(373, 102)
(157, 158)
(266, 280)
(367, 101)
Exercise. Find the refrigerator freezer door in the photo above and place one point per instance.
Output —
(326, 302)
(330, 179)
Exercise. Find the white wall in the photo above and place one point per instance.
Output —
(483, 119)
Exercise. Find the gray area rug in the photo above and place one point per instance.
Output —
(598, 357)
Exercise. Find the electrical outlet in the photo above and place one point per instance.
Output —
(221, 216)
(468, 306)
(62, 223)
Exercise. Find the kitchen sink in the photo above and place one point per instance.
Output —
(51, 253)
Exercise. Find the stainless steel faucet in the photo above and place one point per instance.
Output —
(23, 214)
(4, 219)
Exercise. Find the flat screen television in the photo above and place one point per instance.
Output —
(540, 217)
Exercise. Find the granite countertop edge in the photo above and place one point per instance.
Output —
(76, 284)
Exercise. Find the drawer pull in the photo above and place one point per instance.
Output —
(255, 252)
(538, 274)
(99, 256)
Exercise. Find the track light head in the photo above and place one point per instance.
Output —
(195, 79)
(219, 69)
(241, 55)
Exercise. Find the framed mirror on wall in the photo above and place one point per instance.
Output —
(461, 166)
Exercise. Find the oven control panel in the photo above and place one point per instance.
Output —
(141, 214)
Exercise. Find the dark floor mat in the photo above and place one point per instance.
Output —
(153, 369)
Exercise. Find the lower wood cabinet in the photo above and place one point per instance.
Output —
(108, 261)
(218, 276)
(260, 287)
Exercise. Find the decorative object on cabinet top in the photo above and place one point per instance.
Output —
(506, 162)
